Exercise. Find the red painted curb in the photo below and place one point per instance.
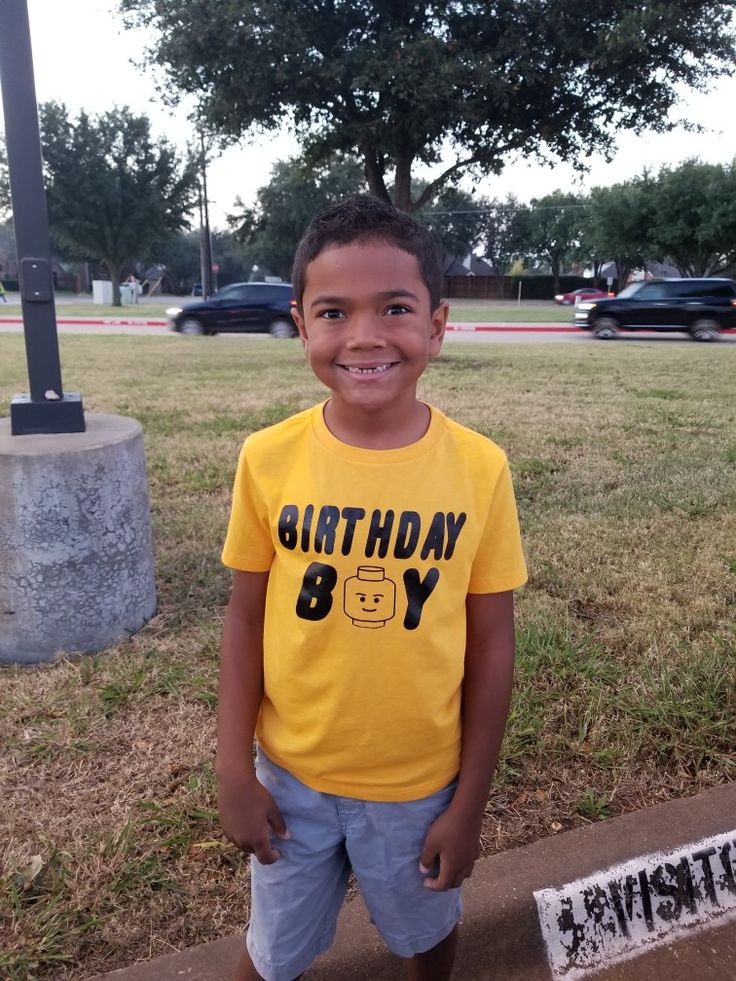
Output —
(458, 328)
(97, 322)
(550, 329)
(534, 328)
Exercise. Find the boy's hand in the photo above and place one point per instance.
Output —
(249, 816)
(453, 842)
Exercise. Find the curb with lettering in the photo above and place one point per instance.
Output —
(614, 915)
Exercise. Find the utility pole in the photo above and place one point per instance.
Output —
(205, 238)
(47, 409)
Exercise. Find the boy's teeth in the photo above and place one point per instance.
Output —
(368, 371)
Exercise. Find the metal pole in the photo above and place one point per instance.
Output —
(47, 409)
(202, 249)
(207, 240)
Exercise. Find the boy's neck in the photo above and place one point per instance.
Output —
(381, 430)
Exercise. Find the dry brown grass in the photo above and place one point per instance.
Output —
(624, 459)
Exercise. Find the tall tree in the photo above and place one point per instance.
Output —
(457, 219)
(181, 257)
(506, 233)
(5, 208)
(112, 190)
(284, 207)
(588, 251)
(620, 224)
(555, 229)
(693, 217)
(452, 85)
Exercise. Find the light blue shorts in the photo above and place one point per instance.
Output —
(295, 901)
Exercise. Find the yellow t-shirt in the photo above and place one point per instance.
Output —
(371, 554)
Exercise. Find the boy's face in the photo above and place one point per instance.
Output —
(367, 325)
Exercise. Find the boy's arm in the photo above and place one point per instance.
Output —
(454, 838)
(248, 813)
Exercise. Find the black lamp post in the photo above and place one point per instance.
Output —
(47, 409)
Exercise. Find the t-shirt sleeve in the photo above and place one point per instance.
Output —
(248, 543)
(499, 562)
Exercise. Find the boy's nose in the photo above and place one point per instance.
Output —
(365, 331)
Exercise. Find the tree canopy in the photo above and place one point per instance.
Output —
(284, 207)
(181, 256)
(453, 85)
(684, 215)
(506, 232)
(620, 223)
(692, 217)
(456, 220)
(472, 224)
(112, 191)
(554, 229)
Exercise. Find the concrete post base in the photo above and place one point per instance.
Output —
(76, 555)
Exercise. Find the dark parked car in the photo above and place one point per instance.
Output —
(244, 307)
(699, 307)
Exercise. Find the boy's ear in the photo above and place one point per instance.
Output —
(300, 326)
(438, 327)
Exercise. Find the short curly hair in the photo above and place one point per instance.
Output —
(364, 218)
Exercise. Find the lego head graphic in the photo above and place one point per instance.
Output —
(370, 598)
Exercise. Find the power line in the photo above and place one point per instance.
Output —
(504, 210)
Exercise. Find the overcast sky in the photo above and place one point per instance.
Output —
(82, 57)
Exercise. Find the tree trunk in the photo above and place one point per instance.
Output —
(374, 176)
(402, 183)
(623, 271)
(114, 270)
(555, 262)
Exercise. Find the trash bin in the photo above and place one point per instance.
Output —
(128, 294)
(102, 291)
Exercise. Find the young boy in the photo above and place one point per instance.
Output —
(369, 639)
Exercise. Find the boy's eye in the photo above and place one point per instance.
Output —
(397, 308)
(330, 314)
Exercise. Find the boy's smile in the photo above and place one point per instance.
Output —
(368, 331)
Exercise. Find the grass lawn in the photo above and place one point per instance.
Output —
(481, 311)
(68, 308)
(624, 458)
(529, 312)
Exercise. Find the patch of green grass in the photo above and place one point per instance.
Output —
(667, 394)
(170, 681)
(683, 713)
(220, 425)
(44, 930)
(208, 478)
(510, 313)
(144, 873)
(115, 694)
(593, 806)
(148, 309)
(533, 467)
(560, 698)
(534, 477)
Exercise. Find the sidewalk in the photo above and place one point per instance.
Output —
(501, 938)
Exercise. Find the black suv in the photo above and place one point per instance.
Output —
(700, 307)
(262, 307)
